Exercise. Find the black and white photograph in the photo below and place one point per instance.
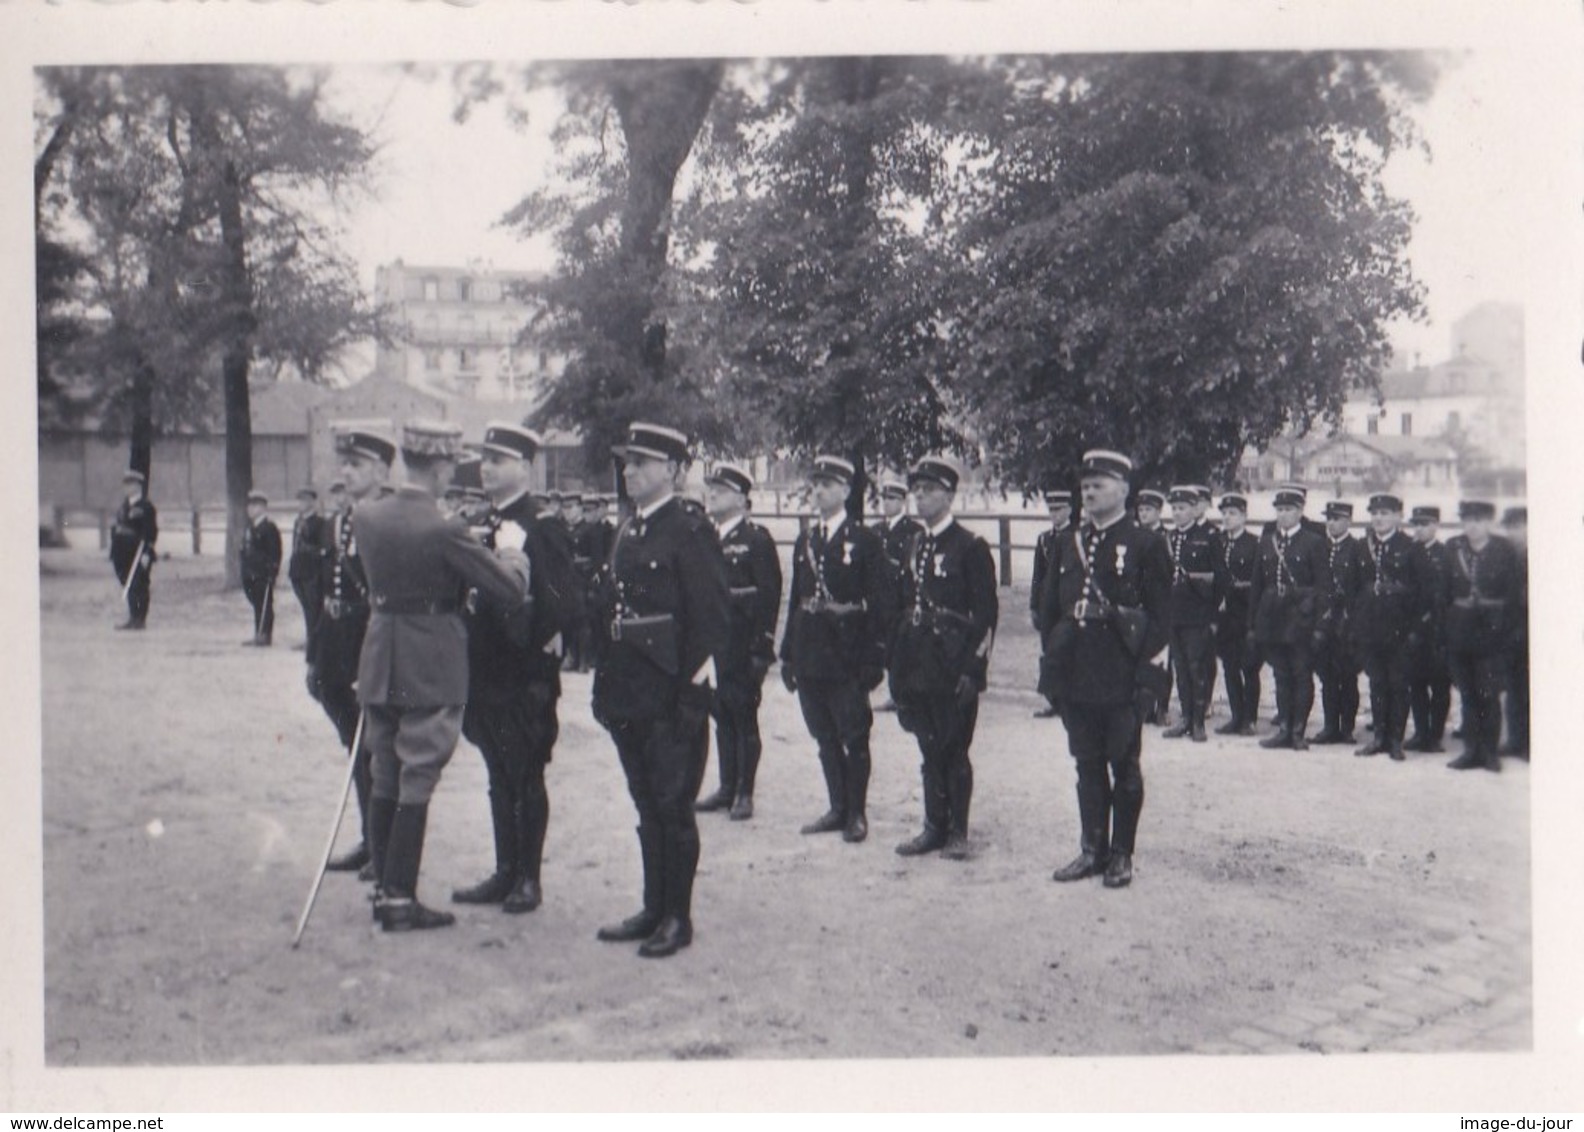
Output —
(977, 564)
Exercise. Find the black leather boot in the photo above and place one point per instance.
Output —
(533, 819)
(675, 930)
(398, 909)
(856, 828)
(493, 888)
(742, 805)
(643, 924)
(1091, 861)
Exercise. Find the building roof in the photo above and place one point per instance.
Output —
(1397, 449)
(282, 407)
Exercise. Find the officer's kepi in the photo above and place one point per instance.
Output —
(934, 469)
(731, 476)
(1105, 462)
(508, 439)
(656, 442)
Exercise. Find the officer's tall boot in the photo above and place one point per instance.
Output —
(727, 742)
(533, 819)
(359, 857)
(503, 823)
(643, 925)
(675, 930)
(399, 910)
(1330, 707)
(936, 814)
(747, 771)
(1397, 727)
(835, 818)
(1093, 817)
(959, 792)
(1490, 739)
(857, 795)
(382, 813)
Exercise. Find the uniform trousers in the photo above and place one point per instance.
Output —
(409, 747)
(1105, 741)
(137, 595)
(1480, 678)
(839, 719)
(309, 594)
(944, 729)
(1240, 666)
(1518, 699)
(1339, 691)
(663, 761)
(1193, 665)
(260, 593)
(1386, 668)
(737, 732)
(516, 735)
(1292, 668)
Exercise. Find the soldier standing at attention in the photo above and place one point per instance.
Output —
(1047, 549)
(260, 556)
(753, 575)
(1108, 599)
(833, 651)
(1191, 611)
(1385, 614)
(667, 616)
(1482, 592)
(1429, 679)
(514, 670)
(132, 537)
(896, 530)
(1336, 660)
(306, 566)
(365, 459)
(413, 673)
(1149, 507)
(1291, 589)
(1236, 558)
(940, 655)
(1515, 525)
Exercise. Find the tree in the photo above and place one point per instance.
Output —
(1181, 255)
(198, 188)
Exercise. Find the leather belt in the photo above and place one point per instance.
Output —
(822, 605)
(383, 603)
(336, 609)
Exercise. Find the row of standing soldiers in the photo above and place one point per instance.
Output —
(1413, 614)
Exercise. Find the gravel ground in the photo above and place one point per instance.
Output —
(188, 784)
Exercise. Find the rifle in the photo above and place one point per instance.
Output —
(335, 828)
(137, 564)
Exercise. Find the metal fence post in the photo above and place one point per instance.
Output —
(1004, 538)
(197, 532)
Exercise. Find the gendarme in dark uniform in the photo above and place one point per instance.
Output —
(833, 651)
(413, 673)
(1107, 601)
(1290, 592)
(306, 565)
(753, 574)
(514, 670)
(941, 653)
(666, 618)
(1191, 611)
(133, 533)
(1336, 659)
(1047, 549)
(896, 529)
(1236, 560)
(1385, 613)
(1429, 678)
(1482, 593)
(260, 555)
(365, 457)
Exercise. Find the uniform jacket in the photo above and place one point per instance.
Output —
(1046, 551)
(668, 564)
(415, 556)
(507, 642)
(852, 571)
(344, 587)
(1342, 556)
(895, 538)
(949, 612)
(261, 550)
(1128, 567)
(135, 522)
(1391, 592)
(310, 547)
(1193, 551)
(1483, 596)
(753, 576)
(1292, 587)
(1236, 560)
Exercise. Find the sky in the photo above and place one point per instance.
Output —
(442, 186)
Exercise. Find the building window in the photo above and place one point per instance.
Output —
(1372, 426)
(431, 359)
(431, 290)
(1454, 421)
(467, 360)
(465, 290)
(1407, 424)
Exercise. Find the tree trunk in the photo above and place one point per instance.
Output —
(238, 302)
(140, 444)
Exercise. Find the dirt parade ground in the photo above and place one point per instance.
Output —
(1286, 902)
